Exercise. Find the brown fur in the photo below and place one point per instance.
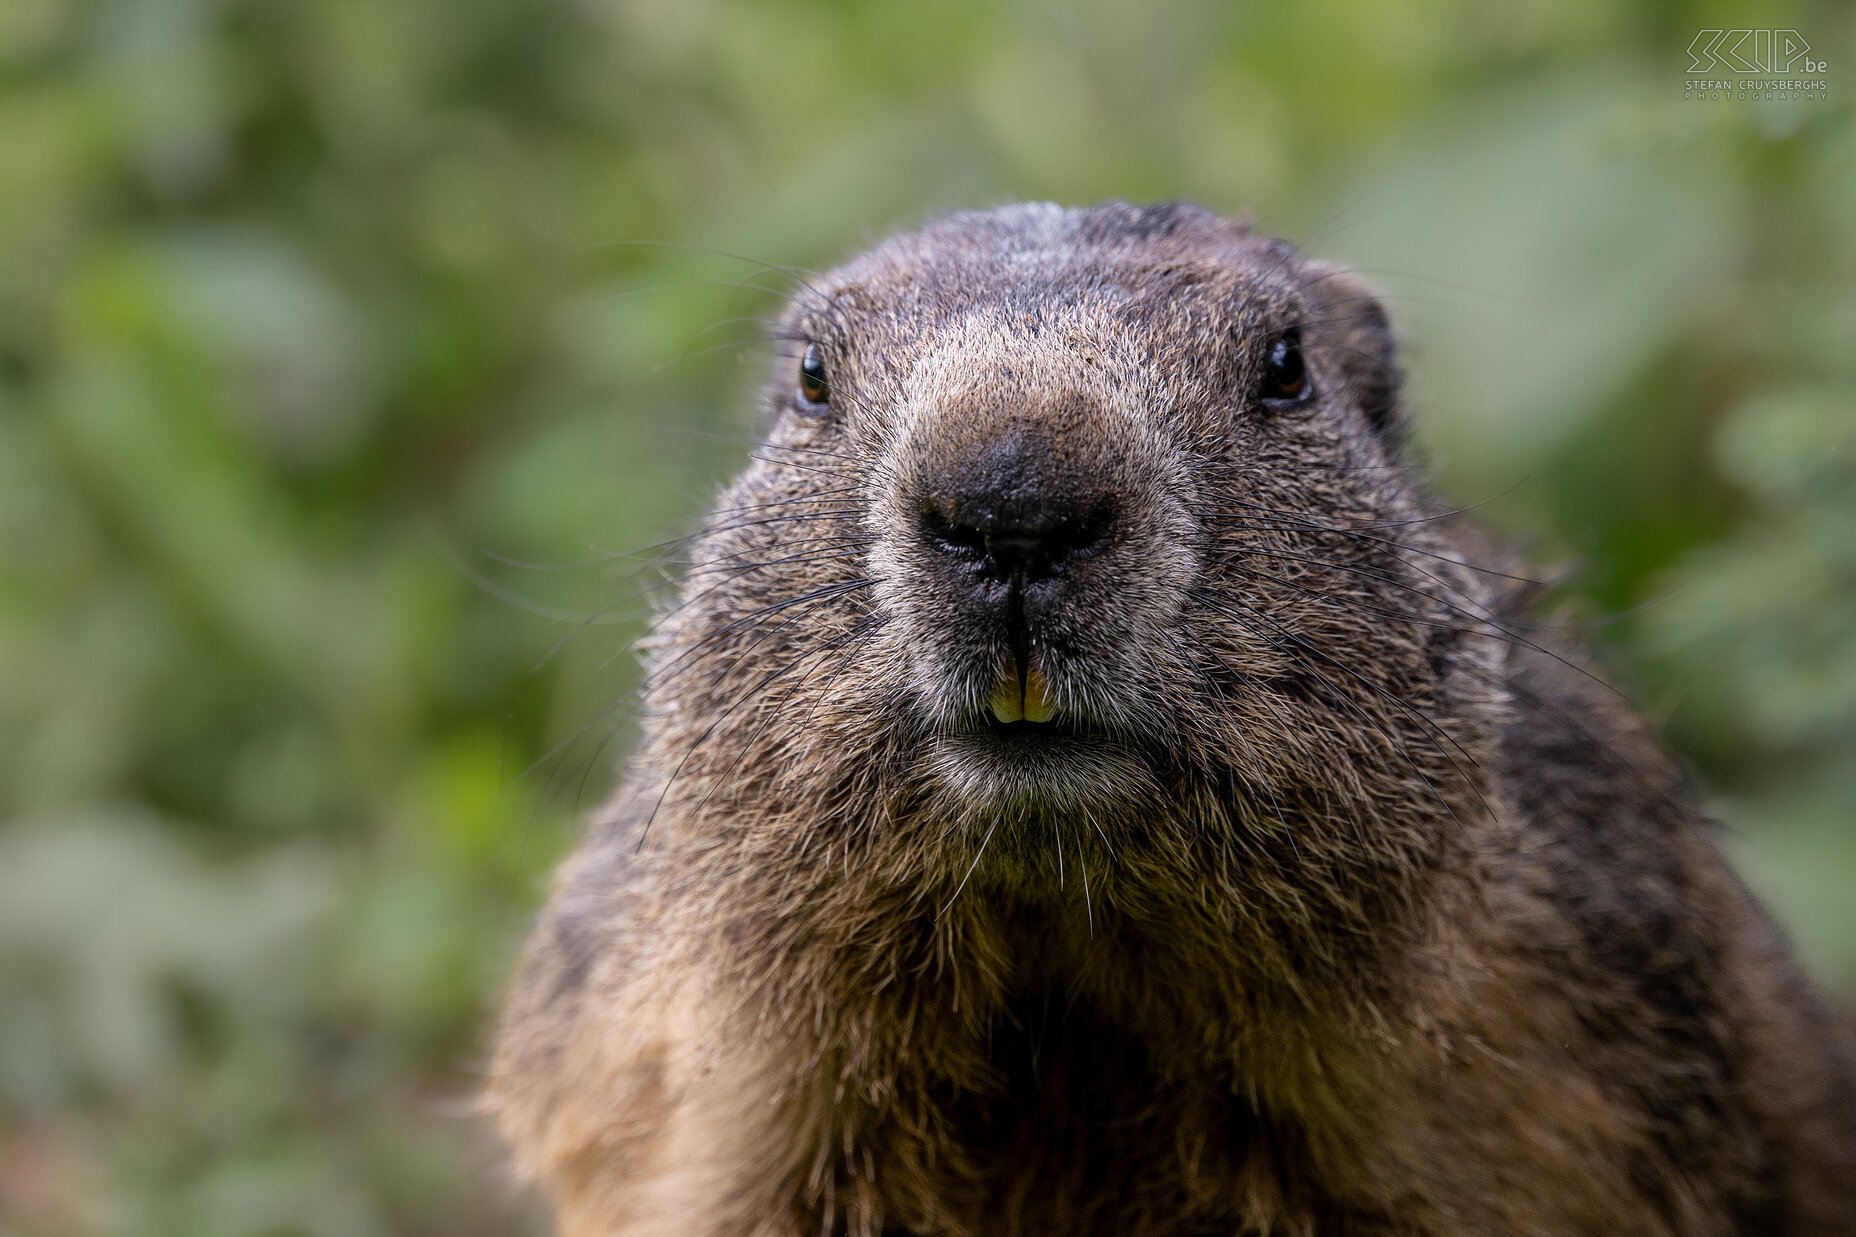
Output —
(1350, 912)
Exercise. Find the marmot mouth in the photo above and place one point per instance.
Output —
(1022, 712)
(1065, 764)
(989, 723)
(1024, 743)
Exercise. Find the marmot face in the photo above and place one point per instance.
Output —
(1071, 511)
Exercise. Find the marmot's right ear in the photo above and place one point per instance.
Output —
(1348, 320)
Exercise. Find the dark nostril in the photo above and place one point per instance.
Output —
(962, 540)
(1085, 533)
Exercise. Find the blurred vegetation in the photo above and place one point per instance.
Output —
(344, 343)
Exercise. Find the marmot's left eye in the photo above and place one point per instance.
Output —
(1285, 374)
(814, 391)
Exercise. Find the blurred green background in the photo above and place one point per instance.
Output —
(344, 344)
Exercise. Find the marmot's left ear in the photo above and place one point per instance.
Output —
(1348, 322)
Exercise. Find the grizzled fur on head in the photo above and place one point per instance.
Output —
(1217, 638)
(1086, 788)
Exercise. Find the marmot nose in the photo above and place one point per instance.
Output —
(1016, 512)
(1026, 547)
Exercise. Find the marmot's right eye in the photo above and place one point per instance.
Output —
(813, 389)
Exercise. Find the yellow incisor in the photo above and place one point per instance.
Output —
(1022, 698)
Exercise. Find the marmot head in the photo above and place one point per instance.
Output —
(1080, 513)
